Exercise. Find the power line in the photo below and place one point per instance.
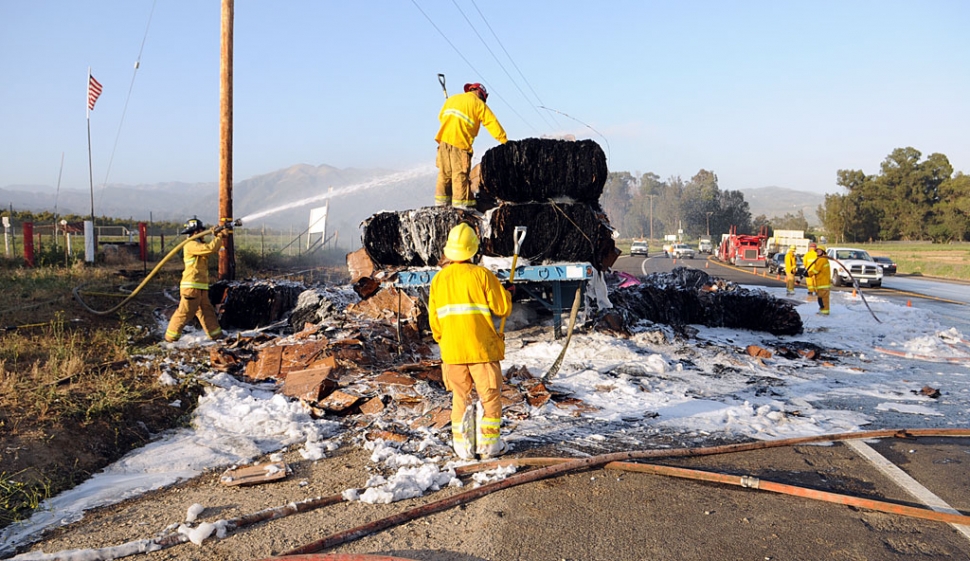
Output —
(608, 152)
(512, 60)
(489, 49)
(470, 65)
(127, 99)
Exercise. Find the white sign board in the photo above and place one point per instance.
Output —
(318, 220)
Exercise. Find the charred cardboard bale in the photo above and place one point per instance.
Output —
(557, 233)
(691, 296)
(252, 304)
(539, 169)
(411, 238)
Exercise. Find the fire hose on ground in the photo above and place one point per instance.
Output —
(214, 230)
(551, 467)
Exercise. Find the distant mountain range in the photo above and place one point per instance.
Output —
(779, 201)
(283, 199)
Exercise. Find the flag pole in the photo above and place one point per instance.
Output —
(88, 115)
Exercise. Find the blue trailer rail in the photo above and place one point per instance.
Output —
(547, 284)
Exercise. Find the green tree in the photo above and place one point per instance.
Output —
(790, 221)
(667, 206)
(953, 211)
(638, 218)
(733, 211)
(700, 197)
(617, 194)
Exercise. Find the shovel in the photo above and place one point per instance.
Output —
(441, 80)
(517, 236)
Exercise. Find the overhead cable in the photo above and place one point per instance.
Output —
(127, 99)
(470, 65)
(489, 49)
(512, 60)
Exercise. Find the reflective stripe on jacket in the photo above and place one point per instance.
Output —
(821, 272)
(463, 299)
(461, 116)
(196, 254)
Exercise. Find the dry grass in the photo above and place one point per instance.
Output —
(950, 261)
(62, 372)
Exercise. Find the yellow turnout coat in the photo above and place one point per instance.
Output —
(463, 300)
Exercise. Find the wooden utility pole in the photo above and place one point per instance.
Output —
(651, 219)
(227, 258)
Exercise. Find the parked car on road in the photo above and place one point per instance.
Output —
(639, 248)
(776, 265)
(682, 250)
(887, 264)
(860, 267)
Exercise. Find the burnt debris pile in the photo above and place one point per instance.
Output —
(552, 187)
(690, 296)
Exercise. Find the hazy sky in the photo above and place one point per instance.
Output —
(761, 93)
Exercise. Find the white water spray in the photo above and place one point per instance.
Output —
(381, 181)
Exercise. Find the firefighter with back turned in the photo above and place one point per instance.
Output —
(461, 117)
(462, 303)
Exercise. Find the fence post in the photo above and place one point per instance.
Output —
(28, 230)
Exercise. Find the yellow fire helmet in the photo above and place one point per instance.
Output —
(792, 248)
(462, 243)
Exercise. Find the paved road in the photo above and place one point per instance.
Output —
(936, 466)
(894, 287)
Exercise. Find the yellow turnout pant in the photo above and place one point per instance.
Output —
(194, 302)
(453, 186)
(487, 379)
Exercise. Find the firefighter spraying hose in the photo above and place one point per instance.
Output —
(228, 225)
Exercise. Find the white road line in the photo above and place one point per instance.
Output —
(904, 480)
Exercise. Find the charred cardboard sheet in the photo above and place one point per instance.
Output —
(411, 238)
(556, 233)
(539, 169)
(690, 296)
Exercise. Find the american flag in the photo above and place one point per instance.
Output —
(94, 91)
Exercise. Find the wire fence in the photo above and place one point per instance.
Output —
(64, 244)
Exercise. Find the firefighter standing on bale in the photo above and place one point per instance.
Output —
(194, 288)
(463, 300)
(821, 273)
(791, 267)
(461, 117)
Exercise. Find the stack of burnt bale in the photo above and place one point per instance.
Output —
(552, 187)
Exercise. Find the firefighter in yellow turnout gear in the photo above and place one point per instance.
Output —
(461, 118)
(194, 288)
(807, 261)
(464, 298)
(821, 272)
(791, 267)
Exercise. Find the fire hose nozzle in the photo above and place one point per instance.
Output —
(227, 224)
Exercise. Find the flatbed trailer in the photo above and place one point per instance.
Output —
(553, 286)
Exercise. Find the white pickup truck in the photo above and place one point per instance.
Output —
(682, 250)
(858, 262)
